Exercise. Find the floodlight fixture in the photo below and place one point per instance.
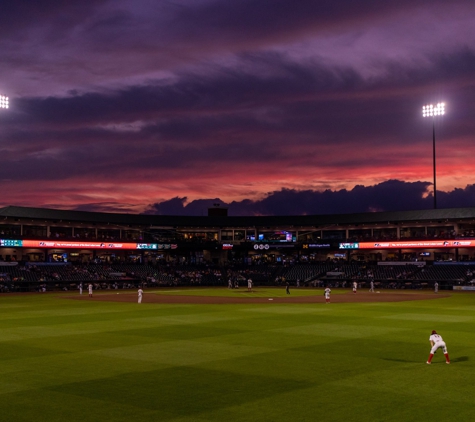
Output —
(430, 110)
(4, 101)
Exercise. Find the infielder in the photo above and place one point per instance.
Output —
(89, 288)
(436, 287)
(80, 288)
(355, 286)
(327, 295)
(371, 286)
(437, 342)
(249, 285)
(140, 293)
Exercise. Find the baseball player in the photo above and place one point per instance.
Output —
(437, 342)
(249, 285)
(327, 295)
(140, 293)
(80, 288)
(89, 288)
(355, 286)
(436, 287)
(371, 286)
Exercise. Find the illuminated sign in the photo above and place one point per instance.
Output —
(271, 246)
(77, 245)
(274, 237)
(349, 246)
(166, 246)
(410, 244)
(227, 246)
(147, 246)
(11, 243)
(261, 247)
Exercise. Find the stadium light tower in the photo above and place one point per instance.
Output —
(433, 111)
(4, 102)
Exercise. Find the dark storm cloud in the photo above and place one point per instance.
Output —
(256, 19)
(21, 15)
(393, 195)
(286, 83)
(217, 91)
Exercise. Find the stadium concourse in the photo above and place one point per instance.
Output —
(46, 249)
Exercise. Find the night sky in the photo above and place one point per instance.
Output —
(269, 107)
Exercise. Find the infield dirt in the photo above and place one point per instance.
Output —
(244, 298)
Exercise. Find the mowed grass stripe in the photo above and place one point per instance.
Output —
(432, 317)
(95, 325)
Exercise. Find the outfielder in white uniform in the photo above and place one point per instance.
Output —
(327, 295)
(249, 285)
(140, 293)
(437, 342)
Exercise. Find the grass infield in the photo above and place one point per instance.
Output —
(96, 360)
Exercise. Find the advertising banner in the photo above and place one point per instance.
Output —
(57, 244)
(410, 244)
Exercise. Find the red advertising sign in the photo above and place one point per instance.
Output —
(76, 245)
(417, 244)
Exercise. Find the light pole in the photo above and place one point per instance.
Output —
(4, 101)
(432, 111)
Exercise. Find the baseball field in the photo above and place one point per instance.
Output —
(201, 355)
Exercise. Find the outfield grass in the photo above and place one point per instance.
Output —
(68, 360)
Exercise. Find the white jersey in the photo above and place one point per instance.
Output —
(438, 342)
(327, 293)
(435, 338)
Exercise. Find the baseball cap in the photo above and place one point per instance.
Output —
(434, 332)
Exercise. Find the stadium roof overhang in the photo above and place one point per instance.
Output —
(440, 216)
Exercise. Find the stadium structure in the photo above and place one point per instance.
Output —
(303, 248)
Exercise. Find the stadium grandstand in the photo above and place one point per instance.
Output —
(45, 249)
